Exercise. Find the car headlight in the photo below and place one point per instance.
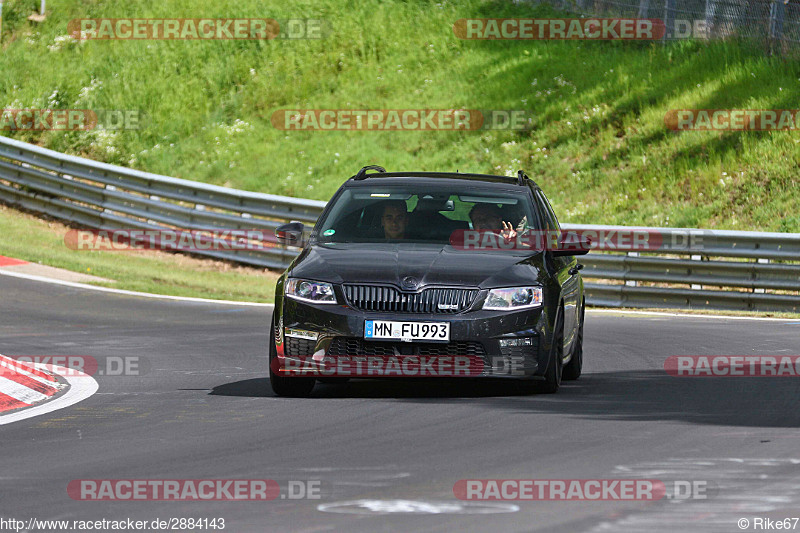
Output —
(513, 298)
(317, 292)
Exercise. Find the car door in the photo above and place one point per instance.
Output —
(570, 284)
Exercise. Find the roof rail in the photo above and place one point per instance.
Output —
(362, 174)
(522, 177)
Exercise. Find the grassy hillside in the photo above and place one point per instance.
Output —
(599, 146)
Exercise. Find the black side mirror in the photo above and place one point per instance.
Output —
(572, 243)
(290, 234)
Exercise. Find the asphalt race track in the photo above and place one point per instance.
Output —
(203, 409)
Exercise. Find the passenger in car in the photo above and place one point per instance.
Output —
(488, 217)
(394, 219)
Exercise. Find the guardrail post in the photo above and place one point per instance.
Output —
(631, 282)
(695, 286)
(669, 19)
(763, 261)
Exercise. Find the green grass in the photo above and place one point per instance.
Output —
(599, 145)
(25, 237)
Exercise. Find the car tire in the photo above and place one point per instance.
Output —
(572, 370)
(282, 385)
(555, 365)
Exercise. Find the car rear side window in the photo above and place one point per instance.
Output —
(547, 212)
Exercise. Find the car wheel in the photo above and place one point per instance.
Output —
(286, 386)
(555, 366)
(572, 370)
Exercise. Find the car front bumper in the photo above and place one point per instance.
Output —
(331, 333)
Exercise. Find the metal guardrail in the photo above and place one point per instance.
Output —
(735, 270)
(101, 196)
(731, 270)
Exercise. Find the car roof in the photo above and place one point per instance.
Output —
(416, 176)
(416, 181)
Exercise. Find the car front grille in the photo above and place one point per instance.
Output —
(354, 346)
(433, 300)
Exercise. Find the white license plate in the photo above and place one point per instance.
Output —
(407, 331)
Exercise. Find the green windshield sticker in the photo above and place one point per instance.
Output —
(329, 232)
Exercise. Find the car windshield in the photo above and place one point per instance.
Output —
(423, 214)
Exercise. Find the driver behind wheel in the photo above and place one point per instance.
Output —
(394, 220)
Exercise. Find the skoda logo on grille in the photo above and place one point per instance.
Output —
(410, 282)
